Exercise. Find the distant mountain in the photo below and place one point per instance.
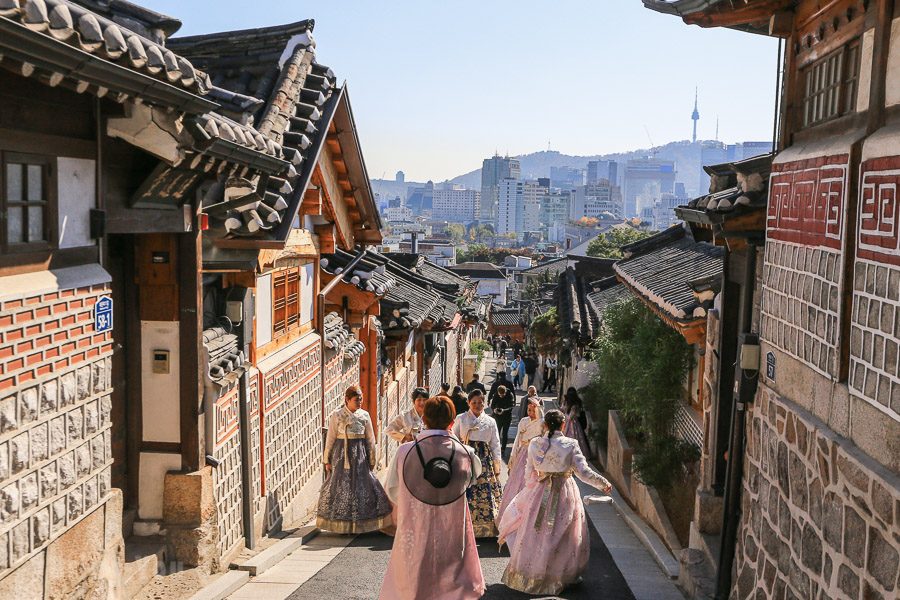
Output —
(537, 164)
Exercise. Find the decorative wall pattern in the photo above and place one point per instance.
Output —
(435, 374)
(55, 404)
(292, 429)
(806, 201)
(817, 521)
(255, 466)
(227, 476)
(875, 317)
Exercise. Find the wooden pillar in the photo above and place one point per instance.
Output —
(190, 334)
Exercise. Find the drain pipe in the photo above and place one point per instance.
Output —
(320, 309)
(745, 389)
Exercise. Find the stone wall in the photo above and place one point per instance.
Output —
(819, 517)
(55, 403)
(435, 374)
(226, 478)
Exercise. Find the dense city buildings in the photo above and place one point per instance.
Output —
(602, 169)
(645, 180)
(597, 200)
(455, 203)
(493, 171)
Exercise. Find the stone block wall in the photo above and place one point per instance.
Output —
(55, 451)
(226, 478)
(435, 375)
(291, 425)
(819, 518)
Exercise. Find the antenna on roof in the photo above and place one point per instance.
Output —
(717, 128)
(548, 145)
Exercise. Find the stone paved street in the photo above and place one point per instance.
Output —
(352, 568)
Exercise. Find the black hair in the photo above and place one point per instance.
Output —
(553, 419)
(474, 393)
(419, 393)
(457, 389)
(445, 386)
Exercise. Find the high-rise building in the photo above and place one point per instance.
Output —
(455, 204)
(646, 180)
(554, 207)
(566, 177)
(598, 200)
(602, 169)
(493, 171)
(400, 177)
(532, 192)
(519, 206)
(421, 199)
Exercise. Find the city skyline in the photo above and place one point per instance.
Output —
(436, 88)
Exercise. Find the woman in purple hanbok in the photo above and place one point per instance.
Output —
(545, 525)
(528, 428)
(576, 421)
(351, 500)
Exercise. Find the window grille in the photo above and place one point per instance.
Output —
(285, 300)
(25, 201)
(830, 84)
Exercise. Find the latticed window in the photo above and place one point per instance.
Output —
(830, 85)
(26, 198)
(285, 300)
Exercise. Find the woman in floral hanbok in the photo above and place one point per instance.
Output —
(575, 420)
(529, 427)
(545, 525)
(479, 431)
(351, 500)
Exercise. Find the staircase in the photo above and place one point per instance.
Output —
(145, 556)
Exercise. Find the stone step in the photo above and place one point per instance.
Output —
(223, 586)
(129, 515)
(143, 557)
(277, 551)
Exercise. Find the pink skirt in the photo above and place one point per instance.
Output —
(515, 481)
(549, 553)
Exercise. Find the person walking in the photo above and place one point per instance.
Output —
(502, 406)
(500, 380)
(549, 374)
(475, 384)
(576, 420)
(351, 499)
(502, 345)
(434, 553)
(530, 366)
(445, 390)
(501, 365)
(523, 403)
(516, 371)
(529, 427)
(478, 430)
(406, 426)
(545, 525)
(460, 400)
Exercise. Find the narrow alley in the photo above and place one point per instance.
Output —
(352, 568)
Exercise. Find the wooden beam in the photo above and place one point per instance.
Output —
(312, 202)
(758, 12)
(326, 238)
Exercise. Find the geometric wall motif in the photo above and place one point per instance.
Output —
(227, 475)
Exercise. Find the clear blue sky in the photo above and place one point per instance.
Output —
(437, 86)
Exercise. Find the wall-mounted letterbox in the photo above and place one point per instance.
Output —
(161, 362)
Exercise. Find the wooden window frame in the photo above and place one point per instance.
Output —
(49, 203)
(844, 87)
(285, 301)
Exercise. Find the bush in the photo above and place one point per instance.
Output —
(479, 347)
(642, 366)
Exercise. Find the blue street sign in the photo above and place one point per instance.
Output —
(103, 314)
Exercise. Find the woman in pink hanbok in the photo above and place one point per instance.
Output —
(528, 428)
(545, 525)
(434, 555)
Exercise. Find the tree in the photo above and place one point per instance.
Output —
(456, 232)
(544, 332)
(533, 289)
(607, 245)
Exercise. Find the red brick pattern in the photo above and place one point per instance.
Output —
(55, 404)
(806, 201)
(879, 228)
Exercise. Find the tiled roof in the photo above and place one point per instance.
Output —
(299, 98)
(661, 268)
(735, 187)
(339, 338)
(505, 316)
(223, 351)
(602, 294)
(554, 266)
(479, 270)
(38, 31)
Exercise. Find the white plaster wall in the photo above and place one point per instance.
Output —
(77, 194)
(307, 291)
(892, 85)
(865, 70)
(152, 474)
(263, 310)
(160, 393)
(491, 287)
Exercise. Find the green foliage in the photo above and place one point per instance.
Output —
(642, 366)
(483, 253)
(478, 348)
(606, 245)
(544, 332)
(533, 289)
(456, 232)
(662, 461)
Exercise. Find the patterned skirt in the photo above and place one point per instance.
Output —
(485, 495)
(352, 500)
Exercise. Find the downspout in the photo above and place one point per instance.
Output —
(745, 389)
(320, 309)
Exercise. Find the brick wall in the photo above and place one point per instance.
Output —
(55, 386)
(435, 375)
(819, 517)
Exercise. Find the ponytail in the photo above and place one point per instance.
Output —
(553, 419)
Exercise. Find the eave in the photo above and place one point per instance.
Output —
(750, 16)
(735, 229)
(236, 153)
(692, 330)
(19, 43)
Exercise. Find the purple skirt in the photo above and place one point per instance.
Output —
(352, 500)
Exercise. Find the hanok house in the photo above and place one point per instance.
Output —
(135, 360)
(813, 503)
(506, 322)
(492, 280)
(280, 349)
(424, 316)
